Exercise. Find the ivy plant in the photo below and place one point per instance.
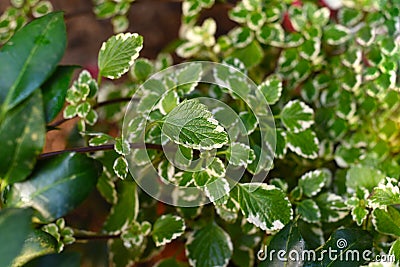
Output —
(308, 104)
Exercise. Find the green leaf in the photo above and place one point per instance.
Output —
(240, 154)
(271, 89)
(15, 226)
(100, 139)
(347, 243)
(363, 177)
(167, 228)
(312, 182)
(287, 240)
(209, 246)
(188, 77)
(106, 187)
(57, 185)
(243, 257)
(296, 116)
(395, 250)
(141, 69)
(251, 55)
(121, 167)
(304, 144)
(38, 243)
(387, 192)
(308, 211)
(54, 91)
(118, 53)
(332, 207)
(227, 211)
(336, 34)
(387, 221)
(23, 132)
(125, 211)
(191, 124)
(241, 37)
(121, 256)
(265, 206)
(358, 204)
(168, 102)
(69, 259)
(29, 57)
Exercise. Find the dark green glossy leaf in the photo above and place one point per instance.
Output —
(288, 239)
(55, 89)
(345, 245)
(29, 57)
(69, 259)
(37, 244)
(15, 225)
(209, 246)
(23, 135)
(57, 185)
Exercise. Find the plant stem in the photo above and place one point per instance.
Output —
(98, 105)
(88, 235)
(89, 149)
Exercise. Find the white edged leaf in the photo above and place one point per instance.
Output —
(240, 154)
(312, 182)
(296, 116)
(167, 228)
(265, 206)
(387, 221)
(308, 211)
(118, 53)
(168, 102)
(336, 34)
(121, 167)
(192, 125)
(271, 89)
(304, 144)
(332, 207)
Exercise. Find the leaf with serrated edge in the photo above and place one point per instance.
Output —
(271, 89)
(308, 211)
(297, 116)
(265, 206)
(121, 167)
(209, 246)
(118, 53)
(304, 144)
(387, 221)
(167, 228)
(192, 125)
(240, 154)
(312, 182)
(125, 210)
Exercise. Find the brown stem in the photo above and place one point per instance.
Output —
(97, 148)
(112, 101)
(95, 237)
